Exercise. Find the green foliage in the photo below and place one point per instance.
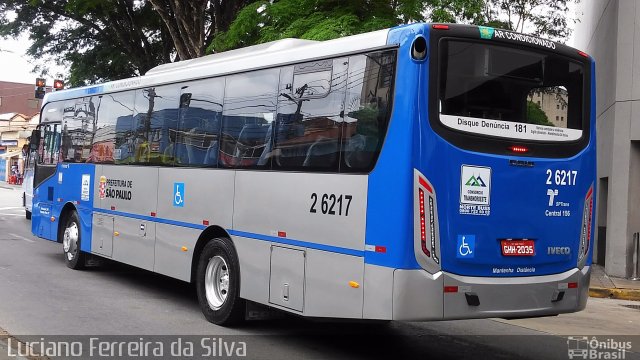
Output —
(535, 115)
(96, 40)
(456, 11)
(269, 20)
(367, 117)
(265, 21)
(544, 18)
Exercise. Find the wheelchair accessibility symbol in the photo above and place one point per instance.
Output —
(466, 246)
(178, 194)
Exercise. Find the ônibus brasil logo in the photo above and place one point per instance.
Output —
(475, 181)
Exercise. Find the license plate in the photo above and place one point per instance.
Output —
(517, 247)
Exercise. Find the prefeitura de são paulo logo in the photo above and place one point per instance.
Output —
(103, 186)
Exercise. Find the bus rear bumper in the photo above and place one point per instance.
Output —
(467, 297)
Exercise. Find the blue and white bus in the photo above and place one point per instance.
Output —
(424, 172)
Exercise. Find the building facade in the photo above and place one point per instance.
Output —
(610, 32)
(19, 98)
(15, 130)
(553, 104)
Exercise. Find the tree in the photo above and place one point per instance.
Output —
(264, 20)
(535, 115)
(193, 24)
(545, 18)
(456, 11)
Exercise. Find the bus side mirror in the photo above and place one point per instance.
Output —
(35, 140)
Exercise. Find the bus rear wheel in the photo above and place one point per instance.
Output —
(218, 283)
(73, 257)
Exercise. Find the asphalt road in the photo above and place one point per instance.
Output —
(40, 296)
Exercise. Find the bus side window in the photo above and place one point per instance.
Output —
(155, 118)
(309, 119)
(42, 148)
(77, 124)
(369, 91)
(198, 136)
(248, 114)
(49, 147)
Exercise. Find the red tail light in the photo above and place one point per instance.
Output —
(519, 149)
(585, 235)
(423, 229)
(440, 27)
(426, 242)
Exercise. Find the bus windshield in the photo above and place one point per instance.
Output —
(508, 92)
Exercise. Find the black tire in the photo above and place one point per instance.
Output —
(231, 310)
(71, 233)
(27, 214)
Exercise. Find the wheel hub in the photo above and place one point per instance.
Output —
(70, 240)
(216, 282)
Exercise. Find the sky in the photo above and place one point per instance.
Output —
(15, 66)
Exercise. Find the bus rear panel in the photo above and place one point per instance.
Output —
(503, 182)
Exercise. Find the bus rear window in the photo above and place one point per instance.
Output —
(510, 93)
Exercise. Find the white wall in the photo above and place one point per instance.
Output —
(610, 32)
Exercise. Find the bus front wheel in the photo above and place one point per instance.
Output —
(73, 257)
(218, 283)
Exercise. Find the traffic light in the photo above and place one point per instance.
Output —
(58, 85)
(40, 85)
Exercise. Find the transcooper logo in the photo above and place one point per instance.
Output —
(475, 190)
(476, 181)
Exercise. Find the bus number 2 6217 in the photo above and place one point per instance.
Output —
(330, 204)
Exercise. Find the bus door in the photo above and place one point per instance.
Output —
(47, 158)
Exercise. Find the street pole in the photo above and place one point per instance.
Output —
(636, 256)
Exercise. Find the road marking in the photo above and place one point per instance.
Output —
(22, 238)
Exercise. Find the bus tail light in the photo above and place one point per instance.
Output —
(519, 149)
(426, 237)
(423, 228)
(585, 234)
(440, 26)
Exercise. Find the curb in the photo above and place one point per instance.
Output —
(615, 293)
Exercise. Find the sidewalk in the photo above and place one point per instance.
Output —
(605, 286)
(5, 185)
